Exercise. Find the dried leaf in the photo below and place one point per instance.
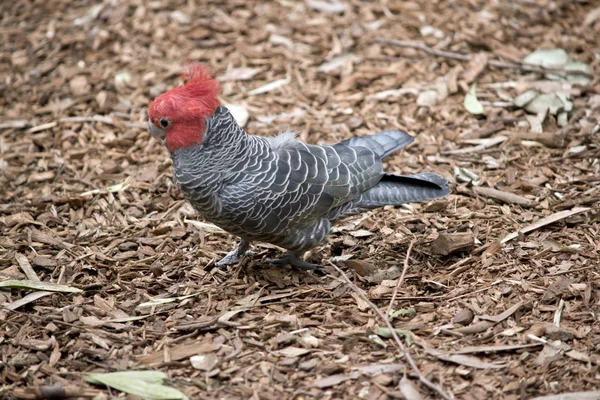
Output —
(270, 86)
(571, 396)
(475, 67)
(331, 7)
(166, 300)
(335, 63)
(427, 98)
(293, 351)
(31, 297)
(333, 380)
(238, 74)
(377, 369)
(495, 348)
(467, 361)
(361, 233)
(180, 352)
(409, 389)
(26, 267)
(109, 189)
(204, 362)
(545, 221)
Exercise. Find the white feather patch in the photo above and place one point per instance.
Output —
(282, 140)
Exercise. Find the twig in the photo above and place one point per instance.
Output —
(405, 352)
(494, 63)
(412, 242)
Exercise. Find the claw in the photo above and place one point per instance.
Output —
(235, 255)
(294, 261)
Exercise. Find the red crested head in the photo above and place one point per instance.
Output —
(179, 115)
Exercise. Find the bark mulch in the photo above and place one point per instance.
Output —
(87, 200)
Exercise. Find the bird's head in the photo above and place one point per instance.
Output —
(179, 115)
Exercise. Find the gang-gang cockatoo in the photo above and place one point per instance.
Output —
(275, 189)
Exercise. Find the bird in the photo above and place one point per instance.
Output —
(276, 189)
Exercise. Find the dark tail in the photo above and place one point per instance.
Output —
(383, 143)
(401, 189)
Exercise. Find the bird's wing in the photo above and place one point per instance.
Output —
(309, 181)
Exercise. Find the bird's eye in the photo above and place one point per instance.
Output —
(164, 123)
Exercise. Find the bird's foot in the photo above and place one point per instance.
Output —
(294, 261)
(233, 257)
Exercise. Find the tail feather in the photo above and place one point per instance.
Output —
(383, 143)
(401, 189)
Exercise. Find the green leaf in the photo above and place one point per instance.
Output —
(577, 66)
(376, 339)
(525, 98)
(546, 102)
(472, 104)
(551, 58)
(37, 285)
(386, 333)
(403, 312)
(146, 384)
(146, 376)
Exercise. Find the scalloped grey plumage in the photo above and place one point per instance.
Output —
(288, 193)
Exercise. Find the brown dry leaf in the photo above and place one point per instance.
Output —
(361, 233)
(571, 396)
(409, 389)
(333, 380)
(92, 320)
(501, 317)
(467, 361)
(579, 356)
(26, 267)
(376, 369)
(550, 353)
(180, 352)
(204, 362)
(293, 351)
(16, 219)
(360, 303)
(362, 267)
(496, 348)
(546, 221)
(31, 297)
(475, 67)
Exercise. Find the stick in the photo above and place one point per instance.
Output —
(406, 354)
(412, 242)
(494, 63)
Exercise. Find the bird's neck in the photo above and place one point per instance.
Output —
(202, 168)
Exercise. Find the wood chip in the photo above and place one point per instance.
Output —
(448, 243)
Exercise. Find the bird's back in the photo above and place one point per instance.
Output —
(305, 182)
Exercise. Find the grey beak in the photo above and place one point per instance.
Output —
(155, 131)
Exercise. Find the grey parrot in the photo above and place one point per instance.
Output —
(275, 189)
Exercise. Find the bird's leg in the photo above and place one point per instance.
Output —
(234, 256)
(295, 261)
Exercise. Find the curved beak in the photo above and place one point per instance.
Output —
(156, 132)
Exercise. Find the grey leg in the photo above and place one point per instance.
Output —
(295, 261)
(234, 256)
